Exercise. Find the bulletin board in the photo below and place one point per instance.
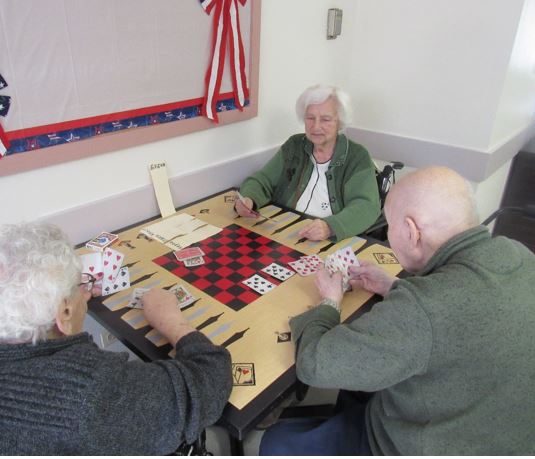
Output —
(80, 77)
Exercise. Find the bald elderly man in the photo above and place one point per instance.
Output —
(450, 351)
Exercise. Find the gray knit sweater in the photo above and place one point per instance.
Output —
(69, 397)
(450, 353)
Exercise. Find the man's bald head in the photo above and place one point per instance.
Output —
(437, 200)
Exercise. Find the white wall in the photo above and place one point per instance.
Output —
(432, 70)
(440, 71)
(294, 53)
(517, 102)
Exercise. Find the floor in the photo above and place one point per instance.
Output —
(217, 441)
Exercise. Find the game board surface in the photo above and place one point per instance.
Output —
(231, 256)
(253, 327)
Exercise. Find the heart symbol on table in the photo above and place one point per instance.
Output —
(244, 371)
(91, 268)
(110, 277)
(118, 257)
(114, 267)
(106, 262)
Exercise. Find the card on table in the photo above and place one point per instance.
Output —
(306, 265)
(259, 284)
(137, 294)
(302, 268)
(188, 252)
(121, 282)
(195, 261)
(102, 241)
(184, 297)
(278, 272)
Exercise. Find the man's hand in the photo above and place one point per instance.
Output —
(318, 230)
(245, 207)
(161, 310)
(371, 277)
(329, 286)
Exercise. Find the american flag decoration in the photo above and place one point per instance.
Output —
(5, 102)
(226, 27)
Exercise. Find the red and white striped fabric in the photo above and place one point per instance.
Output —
(226, 27)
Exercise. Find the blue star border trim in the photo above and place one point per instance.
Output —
(31, 143)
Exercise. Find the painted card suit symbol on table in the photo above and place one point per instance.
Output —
(91, 268)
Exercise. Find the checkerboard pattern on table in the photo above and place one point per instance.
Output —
(231, 256)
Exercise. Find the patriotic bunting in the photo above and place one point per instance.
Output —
(226, 28)
(5, 102)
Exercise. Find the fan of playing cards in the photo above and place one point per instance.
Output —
(105, 265)
(341, 260)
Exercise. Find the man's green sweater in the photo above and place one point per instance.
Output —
(350, 180)
(449, 352)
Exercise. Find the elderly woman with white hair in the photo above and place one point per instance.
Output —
(320, 173)
(60, 394)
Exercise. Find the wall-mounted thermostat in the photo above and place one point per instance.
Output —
(334, 23)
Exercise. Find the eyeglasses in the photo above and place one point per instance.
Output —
(88, 280)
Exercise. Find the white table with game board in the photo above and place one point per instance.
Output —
(252, 326)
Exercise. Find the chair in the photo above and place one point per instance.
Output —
(527, 211)
(385, 179)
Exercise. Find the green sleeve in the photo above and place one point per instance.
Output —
(379, 349)
(260, 186)
(360, 200)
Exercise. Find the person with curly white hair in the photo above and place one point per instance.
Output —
(60, 394)
(320, 173)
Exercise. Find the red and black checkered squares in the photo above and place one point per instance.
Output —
(231, 256)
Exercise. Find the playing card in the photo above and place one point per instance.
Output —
(137, 294)
(121, 282)
(259, 284)
(195, 261)
(346, 258)
(112, 260)
(341, 260)
(312, 260)
(102, 241)
(188, 252)
(92, 264)
(183, 296)
(278, 271)
(302, 268)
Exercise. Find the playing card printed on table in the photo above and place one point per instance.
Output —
(259, 284)
(121, 282)
(184, 297)
(102, 241)
(278, 272)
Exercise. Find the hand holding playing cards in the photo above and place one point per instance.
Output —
(244, 207)
(161, 310)
(329, 286)
(318, 230)
(371, 277)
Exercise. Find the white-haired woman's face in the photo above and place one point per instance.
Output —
(321, 123)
